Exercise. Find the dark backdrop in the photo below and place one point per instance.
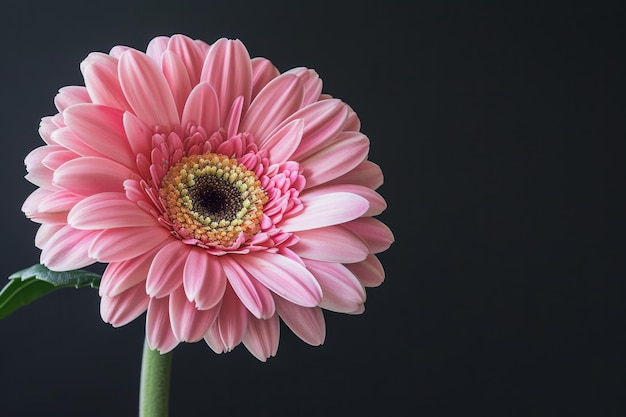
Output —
(499, 130)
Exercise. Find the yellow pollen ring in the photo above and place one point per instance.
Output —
(213, 199)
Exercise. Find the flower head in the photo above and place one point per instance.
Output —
(222, 194)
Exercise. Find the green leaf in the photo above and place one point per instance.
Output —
(29, 284)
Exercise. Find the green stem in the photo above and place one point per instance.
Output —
(155, 383)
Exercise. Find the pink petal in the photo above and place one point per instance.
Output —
(323, 121)
(177, 78)
(214, 340)
(71, 95)
(377, 203)
(118, 50)
(156, 47)
(147, 90)
(263, 71)
(55, 159)
(312, 84)
(279, 99)
(204, 279)
(282, 143)
(367, 174)
(166, 271)
(233, 119)
(306, 322)
(256, 297)
(188, 323)
(57, 217)
(232, 321)
(325, 210)
(343, 292)
(102, 129)
(202, 46)
(135, 192)
(68, 249)
(369, 272)
(159, 334)
(32, 202)
(138, 134)
(108, 211)
(190, 54)
(120, 276)
(67, 138)
(262, 337)
(202, 109)
(58, 201)
(115, 245)
(45, 233)
(283, 276)
(100, 74)
(38, 173)
(49, 201)
(330, 244)
(57, 119)
(345, 154)
(228, 69)
(91, 175)
(352, 121)
(376, 235)
(48, 206)
(124, 307)
(46, 128)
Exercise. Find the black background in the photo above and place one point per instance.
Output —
(500, 133)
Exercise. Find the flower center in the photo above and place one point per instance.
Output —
(213, 199)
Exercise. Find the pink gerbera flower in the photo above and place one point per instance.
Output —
(222, 194)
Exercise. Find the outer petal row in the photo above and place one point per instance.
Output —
(228, 69)
(147, 91)
(102, 81)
